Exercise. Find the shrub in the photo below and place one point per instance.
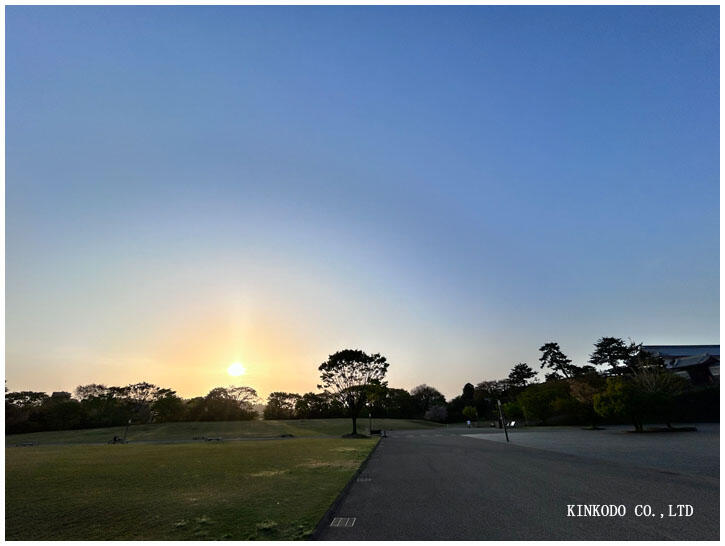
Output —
(437, 413)
(470, 413)
(542, 401)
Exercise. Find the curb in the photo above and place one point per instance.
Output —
(327, 517)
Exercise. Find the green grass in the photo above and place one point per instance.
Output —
(269, 490)
(222, 429)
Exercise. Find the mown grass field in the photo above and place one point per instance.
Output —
(269, 490)
(220, 429)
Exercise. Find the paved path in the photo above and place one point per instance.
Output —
(446, 486)
(684, 452)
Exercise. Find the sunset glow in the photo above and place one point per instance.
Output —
(236, 369)
(273, 245)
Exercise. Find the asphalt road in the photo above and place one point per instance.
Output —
(686, 453)
(446, 486)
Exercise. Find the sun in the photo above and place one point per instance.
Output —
(236, 369)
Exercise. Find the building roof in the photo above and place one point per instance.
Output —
(688, 361)
(675, 351)
(686, 356)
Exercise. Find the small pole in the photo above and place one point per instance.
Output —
(126, 430)
(503, 421)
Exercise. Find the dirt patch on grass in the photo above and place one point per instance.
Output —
(268, 473)
(329, 464)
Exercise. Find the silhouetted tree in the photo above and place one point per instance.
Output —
(138, 397)
(394, 404)
(486, 395)
(168, 407)
(318, 406)
(230, 404)
(520, 374)
(641, 360)
(22, 410)
(195, 409)
(348, 374)
(26, 399)
(468, 392)
(93, 390)
(426, 397)
(281, 405)
(615, 353)
(554, 359)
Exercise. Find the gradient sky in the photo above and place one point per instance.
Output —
(452, 187)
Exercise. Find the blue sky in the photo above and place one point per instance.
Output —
(452, 187)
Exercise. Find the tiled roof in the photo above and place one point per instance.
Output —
(674, 351)
(696, 360)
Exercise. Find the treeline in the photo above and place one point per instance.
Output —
(384, 402)
(94, 406)
(620, 383)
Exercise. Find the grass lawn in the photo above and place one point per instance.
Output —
(223, 429)
(270, 490)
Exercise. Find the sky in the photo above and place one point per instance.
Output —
(452, 187)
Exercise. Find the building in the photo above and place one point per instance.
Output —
(699, 363)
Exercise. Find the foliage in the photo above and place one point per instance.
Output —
(26, 399)
(513, 410)
(641, 360)
(614, 353)
(621, 397)
(281, 405)
(468, 392)
(520, 375)
(454, 409)
(648, 393)
(470, 413)
(60, 412)
(318, 406)
(438, 414)
(660, 387)
(698, 405)
(554, 359)
(486, 395)
(540, 401)
(583, 388)
(425, 398)
(348, 376)
(230, 404)
(168, 407)
(391, 403)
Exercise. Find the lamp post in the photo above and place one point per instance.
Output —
(503, 421)
(370, 419)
